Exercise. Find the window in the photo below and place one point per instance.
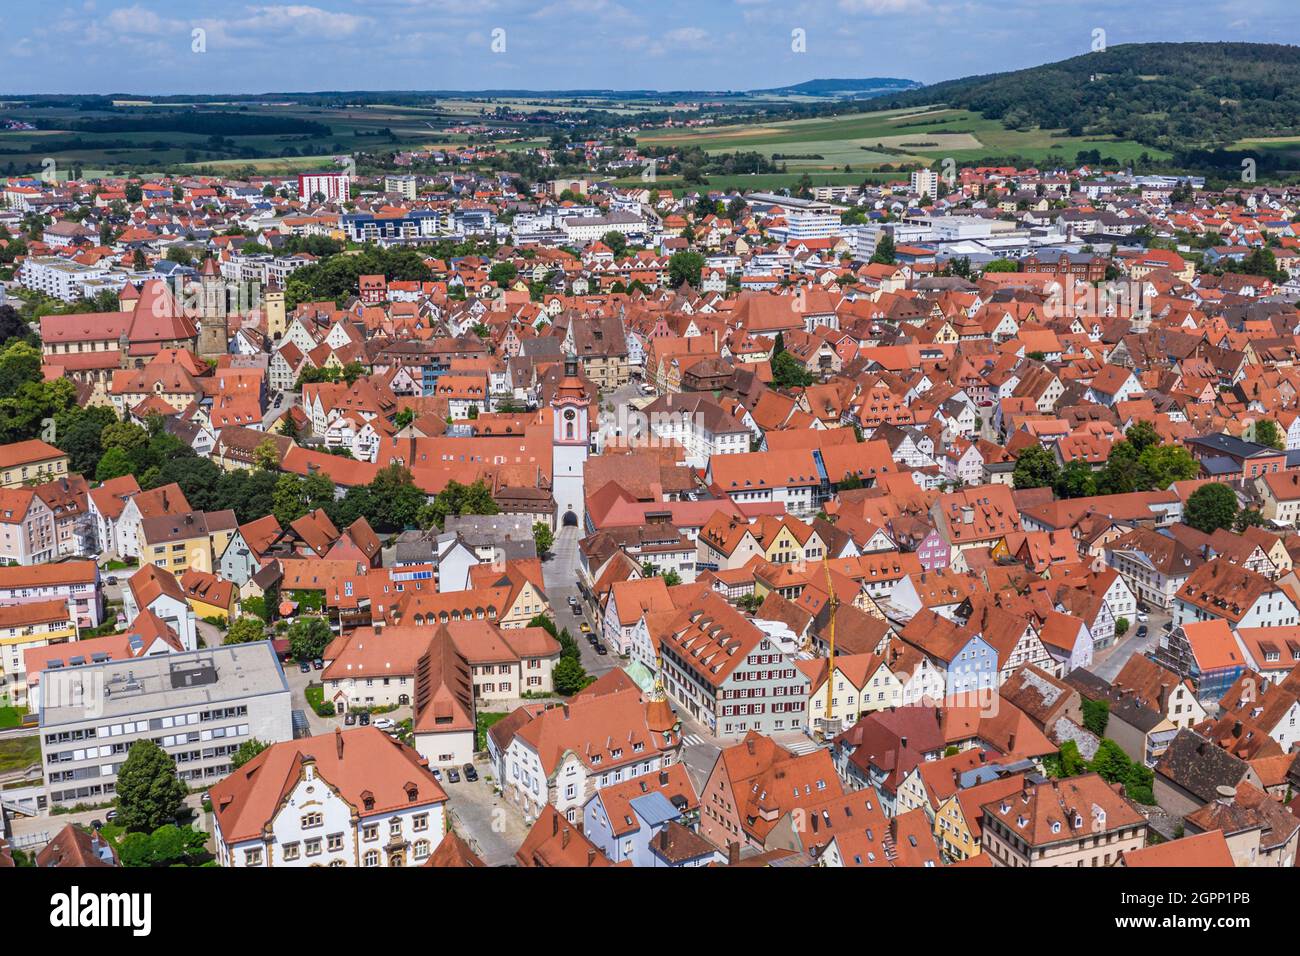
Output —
(310, 820)
(421, 849)
(291, 851)
(313, 846)
(370, 832)
(334, 842)
(395, 827)
(253, 857)
(420, 822)
(371, 858)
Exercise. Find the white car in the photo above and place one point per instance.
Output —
(383, 723)
(1142, 618)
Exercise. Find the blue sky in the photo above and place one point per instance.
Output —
(146, 46)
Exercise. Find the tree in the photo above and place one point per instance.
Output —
(266, 455)
(685, 266)
(1267, 433)
(247, 751)
(503, 273)
(1096, 715)
(458, 499)
(149, 794)
(1076, 480)
(1211, 507)
(672, 578)
(1159, 466)
(169, 845)
(1035, 468)
(543, 537)
(1121, 626)
(1002, 265)
(885, 252)
(617, 243)
(787, 372)
(1248, 518)
(308, 638)
(113, 464)
(569, 676)
(1142, 435)
(396, 503)
(246, 630)
(850, 482)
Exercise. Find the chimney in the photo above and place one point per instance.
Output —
(564, 838)
(1011, 742)
(902, 742)
(1236, 729)
(591, 856)
(338, 742)
(555, 824)
(733, 853)
(663, 838)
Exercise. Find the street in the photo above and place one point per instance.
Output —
(1109, 662)
(560, 574)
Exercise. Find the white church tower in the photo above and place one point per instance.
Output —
(570, 438)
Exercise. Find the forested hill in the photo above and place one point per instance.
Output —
(1170, 95)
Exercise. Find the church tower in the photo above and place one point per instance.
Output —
(570, 440)
(212, 311)
(273, 308)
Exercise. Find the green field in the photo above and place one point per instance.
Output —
(351, 130)
(910, 135)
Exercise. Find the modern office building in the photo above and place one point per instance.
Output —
(199, 706)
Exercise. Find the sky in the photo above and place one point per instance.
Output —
(229, 46)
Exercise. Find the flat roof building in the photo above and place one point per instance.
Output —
(199, 706)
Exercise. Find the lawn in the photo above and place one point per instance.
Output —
(11, 717)
(17, 753)
(484, 723)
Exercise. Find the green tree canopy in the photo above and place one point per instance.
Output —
(149, 794)
(1035, 468)
(1211, 507)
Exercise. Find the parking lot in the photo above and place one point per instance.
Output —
(475, 811)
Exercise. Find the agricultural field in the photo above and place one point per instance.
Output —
(890, 136)
(345, 130)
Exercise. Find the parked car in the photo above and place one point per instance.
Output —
(349, 718)
(110, 816)
(453, 775)
(304, 667)
(364, 719)
(318, 664)
(111, 579)
(602, 650)
(1142, 630)
(585, 627)
(437, 773)
(383, 723)
(470, 773)
(1142, 617)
